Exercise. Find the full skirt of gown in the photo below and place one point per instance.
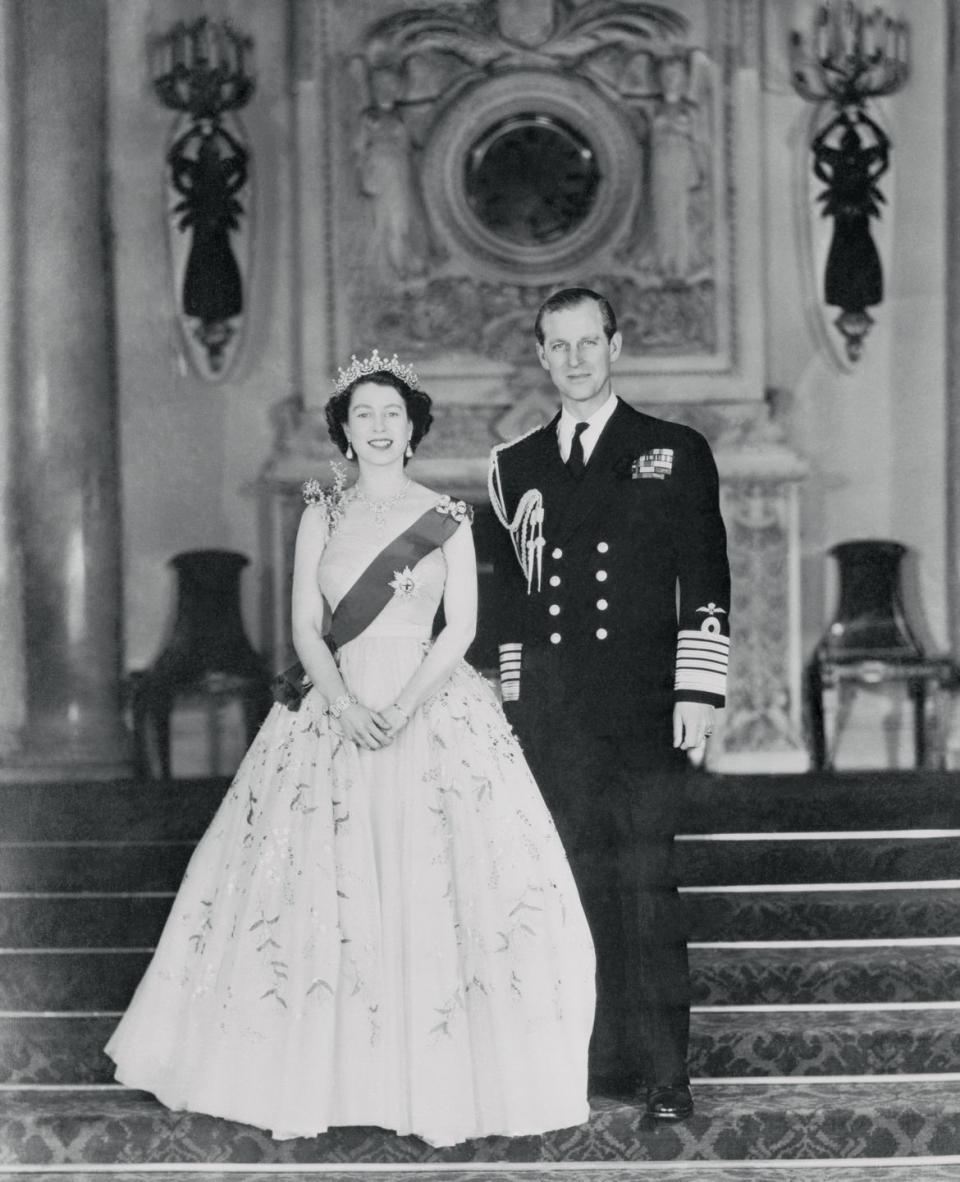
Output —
(387, 938)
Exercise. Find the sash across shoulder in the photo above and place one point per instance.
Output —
(371, 593)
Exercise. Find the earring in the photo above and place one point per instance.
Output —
(409, 452)
(349, 452)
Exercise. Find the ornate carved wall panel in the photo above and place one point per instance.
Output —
(479, 154)
(761, 728)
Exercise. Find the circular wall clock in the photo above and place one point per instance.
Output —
(531, 174)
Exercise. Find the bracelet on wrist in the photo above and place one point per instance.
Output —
(338, 705)
(397, 706)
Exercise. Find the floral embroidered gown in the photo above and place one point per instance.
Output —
(387, 937)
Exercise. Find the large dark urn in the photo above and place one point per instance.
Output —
(208, 653)
(870, 621)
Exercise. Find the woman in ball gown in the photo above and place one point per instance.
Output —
(380, 926)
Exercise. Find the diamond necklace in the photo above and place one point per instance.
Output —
(379, 508)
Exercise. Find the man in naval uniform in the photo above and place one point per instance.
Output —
(613, 593)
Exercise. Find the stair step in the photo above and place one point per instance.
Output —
(824, 915)
(812, 1042)
(838, 800)
(801, 975)
(115, 919)
(745, 1121)
(128, 810)
(875, 1170)
(150, 866)
(74, 980)
(901, 1170)
(159, 866)
(77, 921)
(826, 860)
(68, 1048)
(63, 1049)
(182, 808)
(104, 979)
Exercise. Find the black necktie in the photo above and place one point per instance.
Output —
(575, 461)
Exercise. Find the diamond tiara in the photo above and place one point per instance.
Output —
(375, 364)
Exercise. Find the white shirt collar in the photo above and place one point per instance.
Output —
(595, 424)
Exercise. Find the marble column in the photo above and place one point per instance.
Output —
(953, 326)
(11, 609)
(312, 165)
(66, 456)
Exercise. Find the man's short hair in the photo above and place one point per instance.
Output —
(572, 297)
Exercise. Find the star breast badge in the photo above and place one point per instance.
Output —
(405, 583)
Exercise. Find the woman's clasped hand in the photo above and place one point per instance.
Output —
(372, 729)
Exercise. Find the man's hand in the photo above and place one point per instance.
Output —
(692, 722)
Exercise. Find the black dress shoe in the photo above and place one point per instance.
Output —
(670, 1102)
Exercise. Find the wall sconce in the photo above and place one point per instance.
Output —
(200, 70)
(848, 59)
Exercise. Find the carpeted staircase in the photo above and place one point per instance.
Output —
(825, 957)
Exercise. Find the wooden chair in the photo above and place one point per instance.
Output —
(208, 658)
(869, 643)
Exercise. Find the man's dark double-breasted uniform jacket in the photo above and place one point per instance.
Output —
(617, 580)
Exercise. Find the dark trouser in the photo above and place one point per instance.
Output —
(614, 799)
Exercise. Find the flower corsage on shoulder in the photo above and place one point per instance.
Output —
(458, 510)
(331, 497)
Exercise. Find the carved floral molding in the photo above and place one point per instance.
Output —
(483, 154)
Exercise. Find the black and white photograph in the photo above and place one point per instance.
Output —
(480, 590)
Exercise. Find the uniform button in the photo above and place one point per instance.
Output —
(554, 609)
(554, 580)
(554, 637)
(601, 634)
(601, 576)
(602, 547)
(557, 552)
(602, 605)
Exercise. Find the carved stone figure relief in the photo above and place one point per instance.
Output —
(399, 247)
(680, 167)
